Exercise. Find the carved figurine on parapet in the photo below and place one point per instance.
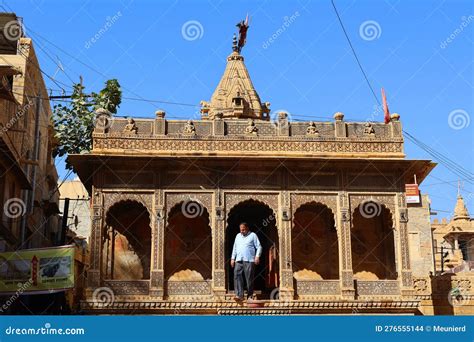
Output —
(189, 128)
(369, 130)
(130, 127)
(251, 129)
(312, 130)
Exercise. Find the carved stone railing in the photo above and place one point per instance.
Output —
(308, 288)
(377, 288)
(189, 288)
(422, 286)
(462, 283)
(128, 287)
(452, 294)
(243, 136)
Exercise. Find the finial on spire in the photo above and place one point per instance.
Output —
(243, 27)
(234, 44)
(459, 188)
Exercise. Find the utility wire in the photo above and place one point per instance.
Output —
(448, 163)
(354, 53)
(52, 59)
(451, 165)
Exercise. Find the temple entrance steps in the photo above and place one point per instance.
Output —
(256, 307)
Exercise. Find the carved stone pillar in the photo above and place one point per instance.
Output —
(406, 275)
(343, 224)
(283, 124)
(97, 222)
(158, 228)
(340, 128)
(218, 125)
(284, 224)
(218, 246)
(396, 126)
(160, 123)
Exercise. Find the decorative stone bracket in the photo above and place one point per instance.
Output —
(220, 214)
(403, 215)
(345, 215)
(286, 214)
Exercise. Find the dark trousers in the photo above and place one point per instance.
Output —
(248, 269)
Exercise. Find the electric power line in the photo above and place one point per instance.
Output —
(445, 161)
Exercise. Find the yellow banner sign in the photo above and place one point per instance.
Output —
(40, 269)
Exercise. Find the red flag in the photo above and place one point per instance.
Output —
(385, 108)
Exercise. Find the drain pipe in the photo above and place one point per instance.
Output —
(30, 195)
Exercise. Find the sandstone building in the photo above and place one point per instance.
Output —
(28, 177)
(327, 200)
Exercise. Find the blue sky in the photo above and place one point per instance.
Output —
(420, 51)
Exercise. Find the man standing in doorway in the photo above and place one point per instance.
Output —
(245, 255)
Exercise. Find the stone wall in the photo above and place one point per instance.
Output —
(420, 238)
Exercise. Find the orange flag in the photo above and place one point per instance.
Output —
(385, 108)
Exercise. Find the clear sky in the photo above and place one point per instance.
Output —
(420, 51)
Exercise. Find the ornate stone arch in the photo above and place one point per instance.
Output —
(233, 199)
(172, 199)
(371, 207)
(328, 200)
(315, 224)
(188, 209)
(261, 216)
(114, 221)
(383, 201)
(112, 198)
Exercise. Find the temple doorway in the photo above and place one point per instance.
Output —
(188, 243)
(262, 221)
(315, 250)
(126, 245)
(373, 243)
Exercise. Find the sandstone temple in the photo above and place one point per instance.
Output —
(327, 200)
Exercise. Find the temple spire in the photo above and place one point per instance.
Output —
(460, 210)
(235, 95)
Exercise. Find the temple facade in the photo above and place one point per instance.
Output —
(326, 199)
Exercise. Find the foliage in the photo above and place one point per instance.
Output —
(73, 123)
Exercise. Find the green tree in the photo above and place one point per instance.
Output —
(73, 123)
